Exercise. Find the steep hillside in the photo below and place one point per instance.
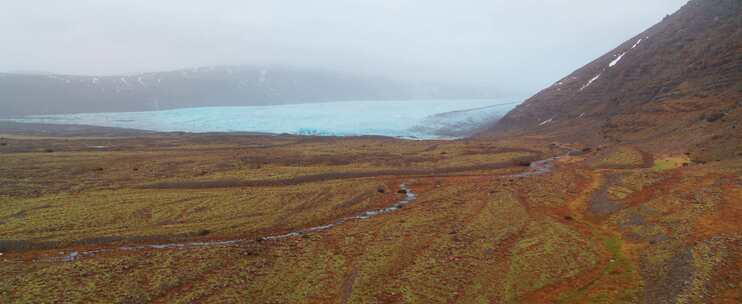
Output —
(675, 87)
(210, 86)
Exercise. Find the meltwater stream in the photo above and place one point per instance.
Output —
(409, 197)
(536, 168)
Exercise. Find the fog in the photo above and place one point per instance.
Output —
(518, 46)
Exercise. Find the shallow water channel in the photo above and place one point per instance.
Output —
(535, 168)
(408, 198)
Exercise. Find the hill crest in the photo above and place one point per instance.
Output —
(676, 86)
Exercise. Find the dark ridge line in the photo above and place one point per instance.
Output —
(233, 183)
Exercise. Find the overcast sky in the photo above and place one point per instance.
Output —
(517, 45)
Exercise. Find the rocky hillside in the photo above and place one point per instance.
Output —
(676, 86)
(24, 94)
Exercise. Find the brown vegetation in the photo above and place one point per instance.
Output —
(477, 231)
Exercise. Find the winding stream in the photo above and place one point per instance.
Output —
(535, 168)
(409, 197)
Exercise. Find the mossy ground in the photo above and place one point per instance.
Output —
(670, 162)
(472, 236)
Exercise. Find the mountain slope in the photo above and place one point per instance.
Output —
(210, 86)
(677, 86)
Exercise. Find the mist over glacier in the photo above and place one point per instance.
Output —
(423, 119)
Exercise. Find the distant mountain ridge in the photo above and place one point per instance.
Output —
(677, 86)
(28, 94)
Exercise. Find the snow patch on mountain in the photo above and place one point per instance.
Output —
(636, 44)
(590, 82)
(615, 61)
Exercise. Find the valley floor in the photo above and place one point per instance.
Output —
(178, 218)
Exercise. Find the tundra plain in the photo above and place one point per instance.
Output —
(179, 218)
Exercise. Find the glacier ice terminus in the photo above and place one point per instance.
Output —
(403, 119)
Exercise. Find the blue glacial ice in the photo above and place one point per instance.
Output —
(424, 119)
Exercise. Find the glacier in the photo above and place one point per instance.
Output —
(419, 119)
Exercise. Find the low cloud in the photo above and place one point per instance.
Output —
(517, 46)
